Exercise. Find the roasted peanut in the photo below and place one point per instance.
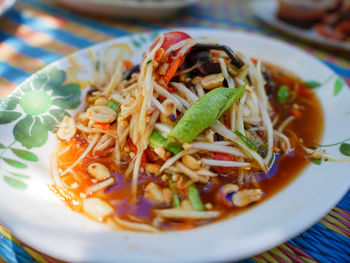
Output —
(160, 151)
(84, 118)
(247, 196)
(186, 205)
(101, 101)
(229, 188)
(153, 192)
(212, 81)
(191, 163)
(196, 80)
(66, 129)
(152, 168)
(101, 114)
(169, 117)
(96, 208)
(167, 195)
(98, 171)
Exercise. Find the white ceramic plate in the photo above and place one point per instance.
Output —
(38, 218)
(266, 11)
(5, 5)
(128, 8)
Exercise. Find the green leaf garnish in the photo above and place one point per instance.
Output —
(312, 84)
(283, 94)
(338, 86)
(345, 149)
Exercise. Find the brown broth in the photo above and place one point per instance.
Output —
(309, 127)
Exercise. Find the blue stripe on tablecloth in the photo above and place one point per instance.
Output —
(77, 18)
(13, 253)
(22, 47)
(321, 250)
(12, 73)
(38, 25)
(341, 71)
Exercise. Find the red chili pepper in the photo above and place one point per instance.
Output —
(103, 126)
(254, 60)
(171, 89)
(227, 124)
(302, 90)
(143, 159)
(132, 146)
(223, 157)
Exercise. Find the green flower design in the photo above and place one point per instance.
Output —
(44, 100)
(40, 104)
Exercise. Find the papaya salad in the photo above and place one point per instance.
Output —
(194, 133)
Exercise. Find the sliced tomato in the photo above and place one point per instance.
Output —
(170, 39)
(223, 157)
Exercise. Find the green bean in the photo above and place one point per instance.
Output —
(194, 197)
(176, 199)
(204, 112)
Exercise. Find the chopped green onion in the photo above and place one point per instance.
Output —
(283, 94)
(176, 199)
(194, 197)
(114, 106)
(156, 140)
(246, 141)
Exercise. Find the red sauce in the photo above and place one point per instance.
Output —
(308, 126)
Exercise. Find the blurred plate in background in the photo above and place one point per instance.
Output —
(128, 8)
(6, 5)
(266, 10)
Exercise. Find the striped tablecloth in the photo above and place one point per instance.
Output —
(37, 32)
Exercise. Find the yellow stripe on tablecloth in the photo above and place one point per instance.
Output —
(37, 39)
(62, 23)
(19, 60)
(6, 87)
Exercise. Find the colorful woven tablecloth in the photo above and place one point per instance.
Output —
(36, 32)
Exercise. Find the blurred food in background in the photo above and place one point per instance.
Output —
(128, 8)
(329, 18)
